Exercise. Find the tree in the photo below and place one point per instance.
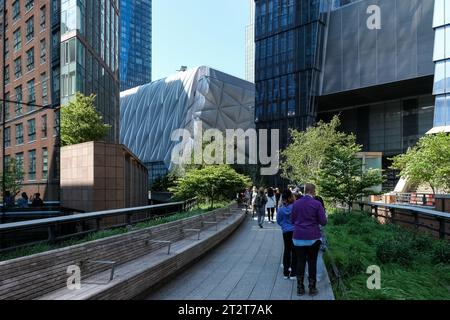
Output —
(81, 122)
(342, 178)
(427, 162)
(164, 183)
(212, 182)
(13, 176)
(303, 159)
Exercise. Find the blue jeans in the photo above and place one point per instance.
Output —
(261, 211)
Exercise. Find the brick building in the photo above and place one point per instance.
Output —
(29, 58)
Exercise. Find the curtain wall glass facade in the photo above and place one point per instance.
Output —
(289, 37)
(441, 25)
(90, 55)
(135, 43)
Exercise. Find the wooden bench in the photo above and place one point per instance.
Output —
(38, 275)
(137, 276)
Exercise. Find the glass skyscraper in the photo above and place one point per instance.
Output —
(250, 45)
(371, 63)
(288, 39)
(90, 55)
(135, 43)
(441, 24)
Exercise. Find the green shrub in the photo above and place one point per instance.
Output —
(350, 265)
(422, 242)
(360, 228)
(441, 252)
(339, 219)
(395, 250)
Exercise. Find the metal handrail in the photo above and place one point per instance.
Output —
(442, 217)
(51, 224)
(80, 217)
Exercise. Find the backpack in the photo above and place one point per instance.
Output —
(260, 201)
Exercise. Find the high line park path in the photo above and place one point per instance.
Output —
(246, 266)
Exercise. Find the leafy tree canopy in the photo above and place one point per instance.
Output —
(13, 176)
(303, 159)
(427, 162)
(212, 182)
(342, 178)
(81, 122)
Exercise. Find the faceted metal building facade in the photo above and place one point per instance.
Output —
(151, 113)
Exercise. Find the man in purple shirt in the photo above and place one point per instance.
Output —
(308, 215)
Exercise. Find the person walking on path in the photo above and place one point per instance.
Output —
(254, 194)
(247, 199)
(284, 219)
(260, 205)
(308, 215)
(271, 202)
(279, 203)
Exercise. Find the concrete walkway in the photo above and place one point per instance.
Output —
(247, 266)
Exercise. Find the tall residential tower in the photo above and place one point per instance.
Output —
(50, 50)
(135, 43)
(250, 45)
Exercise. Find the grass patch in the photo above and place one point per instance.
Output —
(414, 266)
(44, 247)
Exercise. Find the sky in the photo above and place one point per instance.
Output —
(199, 32)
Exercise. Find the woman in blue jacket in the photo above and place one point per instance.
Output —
(285, 222)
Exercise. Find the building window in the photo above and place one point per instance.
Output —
(31, 130)
(18, 101)
(30, 29)
(6, 19)
(7, 137)
(18, 67)
(6, 49)
(43, 18)
(44, 163)
(44, 89)
(68, 52)
(6, 75)
(16, 10)
(19, 161)
(30, 59)
(31, 94)
(29, 4)
(17, 36)
(7, 97)
(43, 51)
(56, 124)
(32, 165)
(7, 160)
(19, 134)
(44, 126)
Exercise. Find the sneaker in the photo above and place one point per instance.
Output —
(301, 290)
(285, 277)
(313, 292)
(293, 278)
